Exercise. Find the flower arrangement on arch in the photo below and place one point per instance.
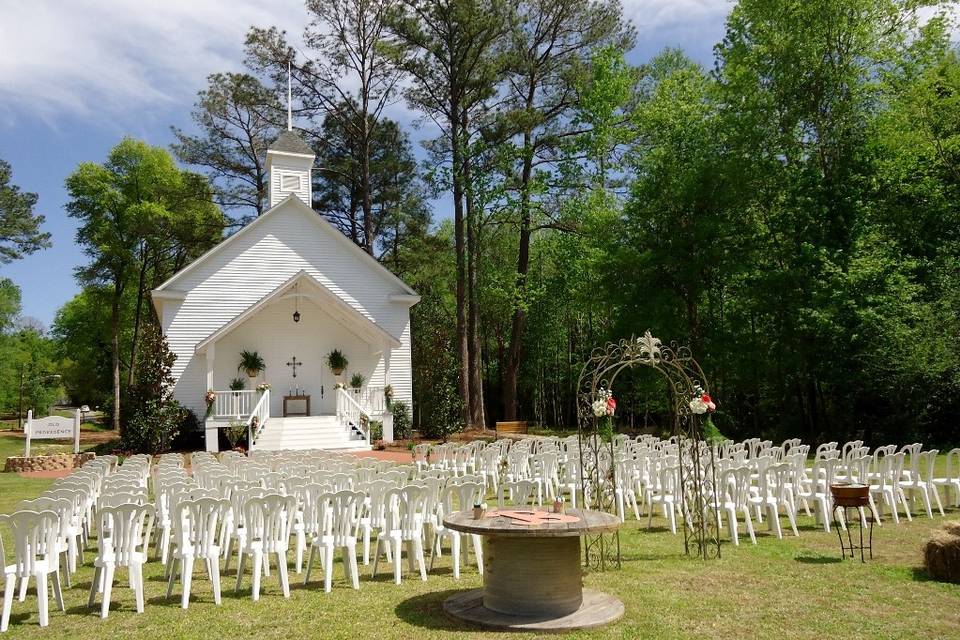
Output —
(605, 405)
(702, 402)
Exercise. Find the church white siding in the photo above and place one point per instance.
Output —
(238, 274)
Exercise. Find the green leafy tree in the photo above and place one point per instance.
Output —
(140, 218)
(82, 334)
(20, 232)
(238, 119)
(349, 79)
(550, 45)
(452, 54)
(397, 192)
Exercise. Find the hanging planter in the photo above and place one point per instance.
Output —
(337, 362)
(251, 363)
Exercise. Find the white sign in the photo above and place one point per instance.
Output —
(53, 428)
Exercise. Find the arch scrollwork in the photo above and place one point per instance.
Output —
(599, 452)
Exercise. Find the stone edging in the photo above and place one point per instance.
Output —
(48, 463)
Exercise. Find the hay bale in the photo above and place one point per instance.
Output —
(941, 557)
(952, 527)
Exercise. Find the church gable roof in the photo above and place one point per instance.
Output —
(334, 306)
(292, 203)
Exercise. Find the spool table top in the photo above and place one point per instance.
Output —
(587, 521)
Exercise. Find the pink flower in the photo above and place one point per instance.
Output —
(611, 406)
(711, 406)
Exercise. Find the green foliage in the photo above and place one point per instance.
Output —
(20, 233)
(251, 363)
(402, 426)
(376, 430)
(237, 384)
(236, 116)
(81, 331)
(25, 351)
(710, 431)
(357, 380)
(140, 217)
(235, 433)
(152, 417)
(337, 361)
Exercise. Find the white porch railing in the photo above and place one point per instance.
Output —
(349, 411)
(258, 418)
(234, 404)
(372, 399)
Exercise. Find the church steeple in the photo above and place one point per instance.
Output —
(289, 161)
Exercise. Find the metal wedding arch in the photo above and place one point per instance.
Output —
(598, 468)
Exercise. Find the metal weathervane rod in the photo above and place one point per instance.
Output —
(289, 101)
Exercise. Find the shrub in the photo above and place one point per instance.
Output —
(190, 437)
(154, 427)
(153, 416)
(376, 430)
(401, 419)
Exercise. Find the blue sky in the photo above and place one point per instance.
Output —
(76, 77)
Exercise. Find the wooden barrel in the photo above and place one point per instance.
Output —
(532, 576)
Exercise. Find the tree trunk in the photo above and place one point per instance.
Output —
(367, 201)
(141, 280)
(474, 348)
(463, 385)
(115, 351)
(518, 323)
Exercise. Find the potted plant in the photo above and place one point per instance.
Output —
(558, 505)
(357, 380)
(235, 433)
(337, 362)
(251, 363)
(238, 384)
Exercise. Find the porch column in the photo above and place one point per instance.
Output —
(387, 417)
(211, 352)
(212, 434)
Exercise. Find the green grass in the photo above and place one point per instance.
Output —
(790, 588)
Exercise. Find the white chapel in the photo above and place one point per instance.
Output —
(292, 288)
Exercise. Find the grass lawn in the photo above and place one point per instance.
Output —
(791, 588)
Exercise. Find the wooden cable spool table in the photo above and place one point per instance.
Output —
(532, 576)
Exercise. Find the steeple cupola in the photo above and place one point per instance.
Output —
(289, 161)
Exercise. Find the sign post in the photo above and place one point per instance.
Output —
(53, 428)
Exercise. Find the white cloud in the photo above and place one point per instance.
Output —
(653, 16)
(117, 60)
(111, 57)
